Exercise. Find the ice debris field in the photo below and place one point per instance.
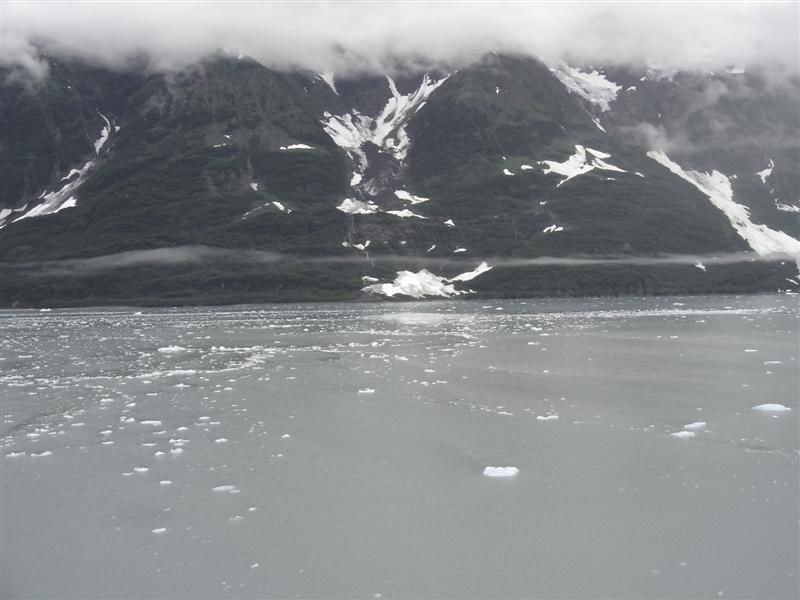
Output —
(243, 441)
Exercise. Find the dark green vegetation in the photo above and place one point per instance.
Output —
(193, 145)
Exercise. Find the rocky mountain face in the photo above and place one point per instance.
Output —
(229, 182)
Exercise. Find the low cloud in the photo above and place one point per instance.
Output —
(197, 255)
(345, 37)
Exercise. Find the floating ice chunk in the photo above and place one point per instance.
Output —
(355, 179)
(526, 167)
(159, 530)
(140, 469)
(552, 229)
(593, 86)
(547, 417)
(254, 186)
(357, 207)
(459, 250)
(683, 434)
(45, 453)
(366, 391)
(700, 265)
(15, 454)
(405, 213)
(280, 206)
(500, 471)
(297, 147)
(450, 223)
(153, 423)
(172, 349)
(771, 408)
(431, 248)
(599, 126)
(176, 451)
(220, 440)
(404, 195)
(738, 70)
(763, 240)
(230, 489)
(497, 90)
(696, 426)
(507, 172)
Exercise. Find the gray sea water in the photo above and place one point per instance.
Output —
(338, 450)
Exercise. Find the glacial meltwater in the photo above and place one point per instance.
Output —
(584, 448)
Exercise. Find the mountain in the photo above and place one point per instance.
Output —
(231, 182)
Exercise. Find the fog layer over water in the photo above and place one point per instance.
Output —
(341, 450)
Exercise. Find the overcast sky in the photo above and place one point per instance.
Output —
(345, 37)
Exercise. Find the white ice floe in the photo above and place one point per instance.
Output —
(500, 471)
(508, 173)
(405, 213)
(766, 172)
(45, 453)
(151, 423)
(159, 530)
(355, 179)
(424, 283)
(552, 229)
(366, 391)
(683, 434)
(357, 207)
(526, 167)
(771, 408)
(450, 223)
(763, 240)
(580, 163)
(497, 90)
(254, 186)
(172, 349)
(352, 131)
(547, 417)
(696, 426)
(230, 489)
(593, 86)
(404, 195)
(459, 250)
(700, 265)
(297, 147)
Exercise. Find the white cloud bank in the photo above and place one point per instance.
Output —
(376, 37)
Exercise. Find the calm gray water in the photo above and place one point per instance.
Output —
(118, 426)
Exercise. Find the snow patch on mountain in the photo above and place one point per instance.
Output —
(766, 172)
(763, 240)
(405, 213)
(353, 130)
(423, 284)
(64, 197)
(404, 195)
(328, 78)
(593, 86)
(357, 207)
(579, 164)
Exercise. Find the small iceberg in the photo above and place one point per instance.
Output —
(500, 471)
(683, 434)
(771, 408)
